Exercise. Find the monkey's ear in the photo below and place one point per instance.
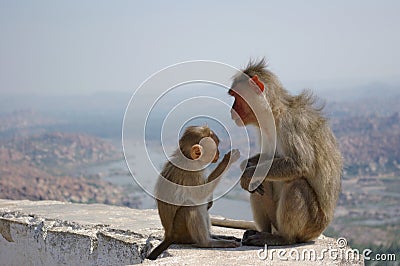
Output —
(196, 151)
(255, 82)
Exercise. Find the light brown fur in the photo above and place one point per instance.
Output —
(190, 224)
(301, 189)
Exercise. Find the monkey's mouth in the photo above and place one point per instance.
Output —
(238, 121)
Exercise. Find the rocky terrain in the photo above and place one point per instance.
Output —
(370, 145)
(23, 123)
(368, 212)
(39, 167)
(58, 152)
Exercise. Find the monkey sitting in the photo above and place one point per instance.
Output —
(301, 186)
(188, 222)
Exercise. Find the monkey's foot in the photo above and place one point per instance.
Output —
(255, 238)
(222, 237)
(249, 233)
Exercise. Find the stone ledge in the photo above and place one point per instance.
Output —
(54, 233)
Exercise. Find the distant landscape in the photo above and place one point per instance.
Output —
(58, 148)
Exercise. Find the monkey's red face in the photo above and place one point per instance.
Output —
(241, 112)
(246, 90)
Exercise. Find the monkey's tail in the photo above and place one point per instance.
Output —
(230, 223)
(159, 249)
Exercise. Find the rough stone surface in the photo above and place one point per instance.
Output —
(59, 233)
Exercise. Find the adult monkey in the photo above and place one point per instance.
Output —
(300, 191)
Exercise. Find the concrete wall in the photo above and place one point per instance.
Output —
(58, 233)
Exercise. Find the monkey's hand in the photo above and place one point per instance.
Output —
(232, 156)
(247, 163)
(246, 179)
(244, 164)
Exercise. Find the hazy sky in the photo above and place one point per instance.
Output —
(89, 46)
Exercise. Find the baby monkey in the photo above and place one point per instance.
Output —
(185, 215)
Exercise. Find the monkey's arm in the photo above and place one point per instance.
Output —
(202, 193)
(253, 160)
(218, 171)
(250, 161)
(228, 159)
(282, 169)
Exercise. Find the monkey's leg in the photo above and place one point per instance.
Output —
(264, 214)
(198, 226)
(264, 208)
(299, 216)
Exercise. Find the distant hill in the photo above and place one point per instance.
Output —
(57, 152)
(38, 167)
(370, 145)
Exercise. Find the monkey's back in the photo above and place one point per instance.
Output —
(174, 218)
(308, 138)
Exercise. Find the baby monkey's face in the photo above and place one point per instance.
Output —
(206, 151)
